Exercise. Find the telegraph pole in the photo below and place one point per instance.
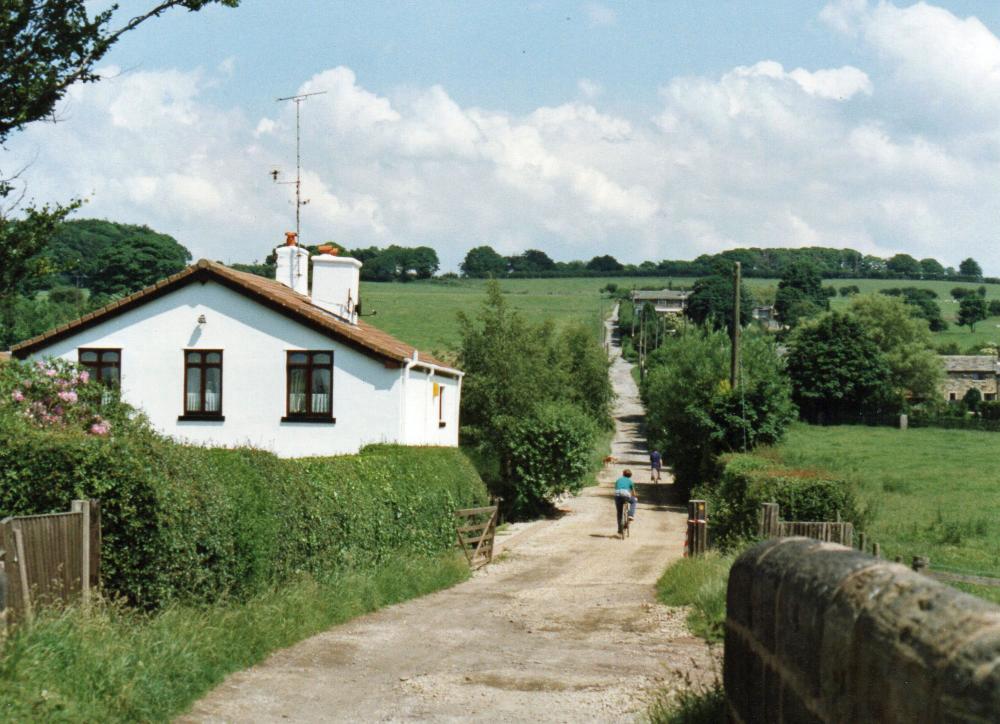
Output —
(734, 367)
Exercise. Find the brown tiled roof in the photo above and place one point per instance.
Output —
(969, 362)
(362, 336)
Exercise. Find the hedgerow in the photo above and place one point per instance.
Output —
(198, 524)
(749, 480)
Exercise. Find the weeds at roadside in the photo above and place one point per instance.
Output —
(701, 584)
(688, 702)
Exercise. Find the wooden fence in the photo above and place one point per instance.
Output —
(770, 526)
(49, 558)
(476, 530)
(696, 542)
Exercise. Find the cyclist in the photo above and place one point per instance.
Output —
(625, 493)
(655, 463)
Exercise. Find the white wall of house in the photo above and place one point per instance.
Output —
(367, 396)
(424, 412)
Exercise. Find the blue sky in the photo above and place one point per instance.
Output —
(645, 130)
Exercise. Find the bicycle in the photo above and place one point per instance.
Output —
(623, 518)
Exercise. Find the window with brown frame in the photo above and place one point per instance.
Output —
(441, 421)
(202, 384)
(309, 386)
(104, 365)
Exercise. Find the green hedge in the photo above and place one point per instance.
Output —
(197, 524)
(749, 480)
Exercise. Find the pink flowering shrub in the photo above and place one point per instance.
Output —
(54, 393)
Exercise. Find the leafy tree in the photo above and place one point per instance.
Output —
(922, 304)
(482, 262)
(905, 342)
(695, 415)
(531, 261)
(960, 293)
(993, 307)
(970, 268)
(800, 293)
(850, 290)
(972, 399)
(45, 47)
(904, 265)
(605, 263)
(838, 372)
(931, 268)
(711, 302)
(972, 309)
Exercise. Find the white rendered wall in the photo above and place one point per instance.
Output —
(367, 396)
(421, 419)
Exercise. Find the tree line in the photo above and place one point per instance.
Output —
(484, 261)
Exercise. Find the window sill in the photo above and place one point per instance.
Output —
(442, 424)
(313, 420)
(200, 417)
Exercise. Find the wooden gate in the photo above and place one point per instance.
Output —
(831, 531)
(49, 558)
(476, 529)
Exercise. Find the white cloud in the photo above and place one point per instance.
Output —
(759, 155)
(599, 15)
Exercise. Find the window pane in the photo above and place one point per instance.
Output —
(321, 391)
(193, 398)
(88, 356)
(213, 358)
(110, 376)
(110, 356)
(194, 357)
(321, 359)
(298, 358)
(296, 391)
(213, 389)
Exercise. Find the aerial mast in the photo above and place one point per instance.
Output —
(299, 203)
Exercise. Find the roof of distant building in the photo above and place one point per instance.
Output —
(969, 362)
(665, 294)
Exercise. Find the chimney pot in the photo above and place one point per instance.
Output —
(291, 238)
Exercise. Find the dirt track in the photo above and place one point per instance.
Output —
(564, 627)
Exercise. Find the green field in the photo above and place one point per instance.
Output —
(932, 492)
(424, 313)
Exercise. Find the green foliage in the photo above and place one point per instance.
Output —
(548, 453)
(972, 309)
(483, 261)
(837, 370)
(706, 705)
(116, 665)
(517, 374)
(701, 584)
(747, 481)
(972, 399)
(903, 265)
(394, 263)
(970, 268)
(532, 261)
(905, 342)
(849, 290)
(190, 523)
(711, 302)
(800, 293)
(604, 263)
(931, 268)
(694, 414)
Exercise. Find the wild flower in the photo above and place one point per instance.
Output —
(101, 427)
(17, 396)
(69, 396)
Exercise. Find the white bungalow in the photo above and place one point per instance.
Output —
(219, 357)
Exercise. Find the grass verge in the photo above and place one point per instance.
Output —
(117, 665)
(701, 584)
(706, 706)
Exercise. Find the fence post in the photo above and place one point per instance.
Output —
(697, 530)
(921, 563)
(876, 550)
(82, 508)
(22, 570)
(862, 541)
(768, 520)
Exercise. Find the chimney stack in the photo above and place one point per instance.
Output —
(293, 264)
(336, 283)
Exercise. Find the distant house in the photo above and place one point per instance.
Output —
(965, 372)
(220, 357)
(664, 301)
(767, 317)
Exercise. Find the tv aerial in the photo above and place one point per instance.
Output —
(275, 173)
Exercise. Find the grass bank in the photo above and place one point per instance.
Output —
(115, 665)
(929, 491)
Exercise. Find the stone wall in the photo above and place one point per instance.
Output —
(816, 632)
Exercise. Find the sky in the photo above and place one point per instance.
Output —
(645, 130)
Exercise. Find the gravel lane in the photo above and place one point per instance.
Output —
(564, 627)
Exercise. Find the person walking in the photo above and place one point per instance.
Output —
(655, 463)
